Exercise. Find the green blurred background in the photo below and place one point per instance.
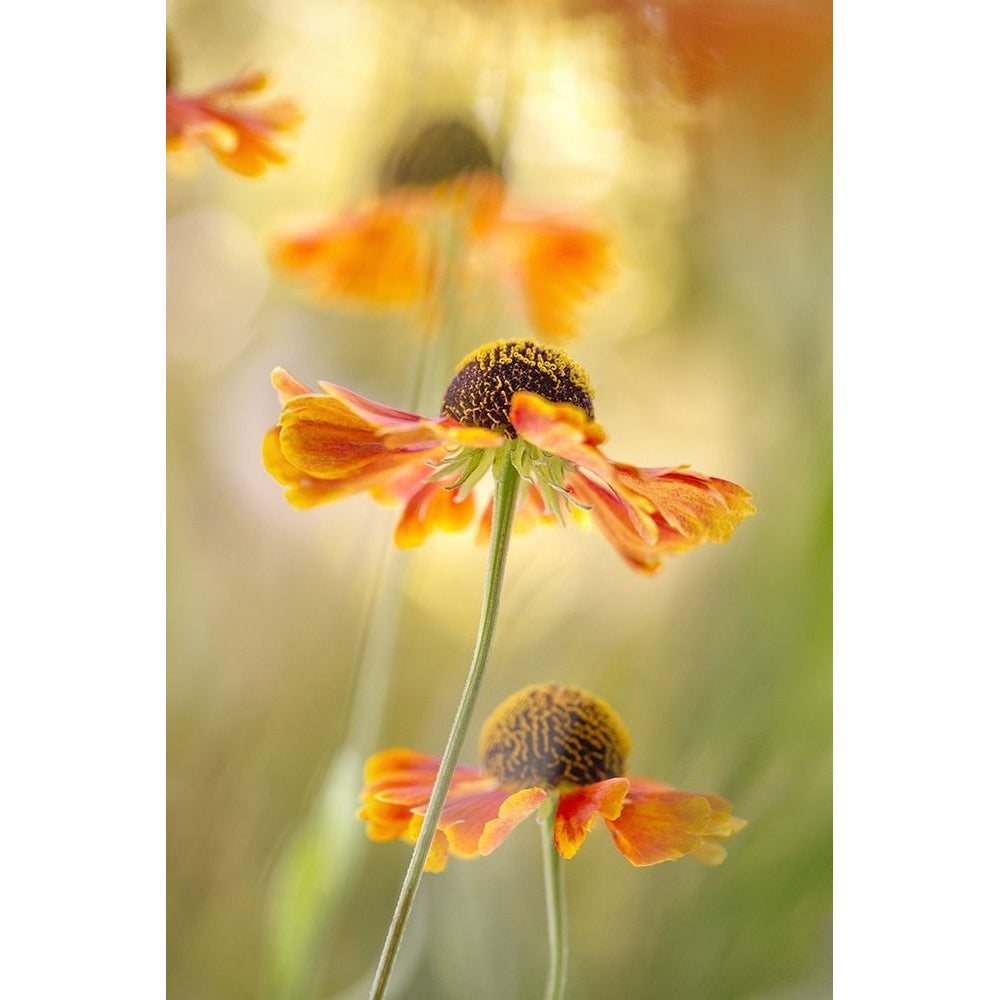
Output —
(700, 135)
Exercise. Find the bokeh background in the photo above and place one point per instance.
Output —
(698, 132)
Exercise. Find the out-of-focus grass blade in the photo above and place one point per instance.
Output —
(314, 875)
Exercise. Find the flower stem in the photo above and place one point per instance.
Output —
(555, 907)
(504, 505)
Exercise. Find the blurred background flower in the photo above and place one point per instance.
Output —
(711, 346)
(241, 133)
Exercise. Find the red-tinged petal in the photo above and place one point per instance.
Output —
(628, 528)
(402, 430)
(444, 430)
(326, 438)
(431, 507)
(397, 790)
(659, 823)
(340, 443)
(384, 418)
(579, 809)
(699, 508)
(647, 514)
(514, 809)
(560, 428)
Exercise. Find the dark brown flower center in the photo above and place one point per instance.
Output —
(437, 152)
(481, 393)
(546, 735)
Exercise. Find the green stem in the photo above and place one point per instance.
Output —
(504, 505)
(555, 907)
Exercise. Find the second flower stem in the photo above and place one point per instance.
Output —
(555, 908)
(504, 505)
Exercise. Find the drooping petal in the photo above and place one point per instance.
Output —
(332, 445)
(336, 443)
(699, 508)
(658, 823)
(513, 810)
(559, 265)
(374, 256)
(395, 780)
(241, 138)
(478, 812)
(560, 429)
(645, 513)
(579, 810)
(301, 490)
(432, 507)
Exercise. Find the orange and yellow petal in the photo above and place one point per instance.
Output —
(580, 809)
(478, 813)
(645, 513)
(696, 507)
(338, 443)
(398, 784)
(560, 429)
(338, 437)
(513, 810)
(559, 266)
(301, 490)
(430, 508)
(658, 823)
(375, 256)
(241, 138)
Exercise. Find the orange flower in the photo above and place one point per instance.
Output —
(240, 138)
(509, 398)
(545, 742)
(393, 250)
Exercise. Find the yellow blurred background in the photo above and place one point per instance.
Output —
(699, 134)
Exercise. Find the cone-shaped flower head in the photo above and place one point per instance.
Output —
(545, 742)
(511, 400)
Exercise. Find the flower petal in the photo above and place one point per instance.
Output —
(301, 490)
(579, 809)
(658, 823)
(241, 138)
(431, 507)
(397, 791)
(647, 514)
(333, 445)
(559, 265)
(644, 513)
(374, 255)
(561, 429)
(699, 508)
(513, 810)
